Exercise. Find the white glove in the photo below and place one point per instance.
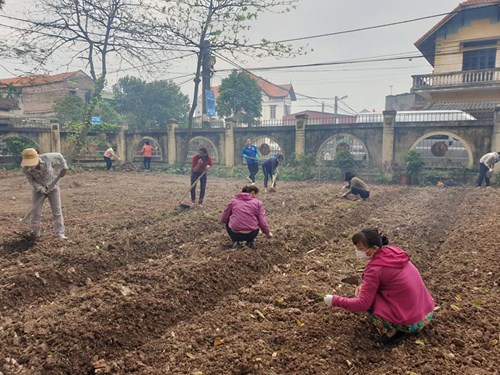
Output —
(328, 300)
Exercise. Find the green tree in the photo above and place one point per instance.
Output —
(344, 160)
(71, 111)
(149, 105)
(240, 97)
(413, 165)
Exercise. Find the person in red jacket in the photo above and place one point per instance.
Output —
(392, 291)
(243, 217)
(199, 167)
(147, 153)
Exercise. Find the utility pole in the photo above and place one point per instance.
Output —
(205, 81)
(336, 106)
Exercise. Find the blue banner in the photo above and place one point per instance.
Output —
(210, 101)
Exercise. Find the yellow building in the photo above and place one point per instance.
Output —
(464, 50)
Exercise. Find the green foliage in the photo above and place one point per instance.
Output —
(16, 145)
(413, 162)
(240, 97)
(150, 105)
(71, 112)
(344, 160)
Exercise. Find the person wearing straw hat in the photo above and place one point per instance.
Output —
(39, 170)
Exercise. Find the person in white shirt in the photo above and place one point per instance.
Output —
(39, 170)
(486, 165)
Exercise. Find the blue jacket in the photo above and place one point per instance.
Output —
(270, 165)
(251, 154)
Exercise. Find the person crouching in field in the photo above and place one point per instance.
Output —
(355, 186)
(199, 168)
(109, 155)
(392, 290)
(243, 217)
(40, 174)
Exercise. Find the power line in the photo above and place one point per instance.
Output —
(372, 27)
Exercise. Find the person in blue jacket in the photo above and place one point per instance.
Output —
(251, 154)
(270, 169)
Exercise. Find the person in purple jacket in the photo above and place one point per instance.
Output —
(243, 217)
(392, 291)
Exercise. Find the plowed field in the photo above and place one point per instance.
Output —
(144, 287)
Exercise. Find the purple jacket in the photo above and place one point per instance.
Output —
(392, 289)
(245, 213)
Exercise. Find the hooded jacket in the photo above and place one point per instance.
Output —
(245, 213)
(392, 289)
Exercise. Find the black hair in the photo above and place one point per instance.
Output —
(279, 156)
(348, 176)
(203, 150)
(146, 143)
(370, 237)
(250, 189)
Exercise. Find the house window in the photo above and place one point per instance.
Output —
(287, 110)
(273, 112)
(479, 59)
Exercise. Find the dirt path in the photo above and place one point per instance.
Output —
(147, 288)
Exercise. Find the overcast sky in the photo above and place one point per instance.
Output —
(365, 85)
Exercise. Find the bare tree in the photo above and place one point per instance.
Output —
(220, 25)
(95, 31)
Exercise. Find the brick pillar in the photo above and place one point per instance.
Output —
(55, 137)
(229, 142)
(171, 145)
(388, 137)
(300, 134)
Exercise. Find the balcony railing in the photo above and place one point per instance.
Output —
(467, 78)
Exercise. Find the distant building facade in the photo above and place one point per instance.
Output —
(35, 96)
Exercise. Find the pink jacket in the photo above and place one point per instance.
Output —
(392, 289)
(245, 213)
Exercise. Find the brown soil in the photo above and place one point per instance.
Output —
(145, 287)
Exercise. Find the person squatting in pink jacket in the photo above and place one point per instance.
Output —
(392, 290)
(243, 217)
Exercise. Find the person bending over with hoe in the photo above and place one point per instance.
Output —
(109, 155)
(147, 153)
(270, 170)
(355, 186)
(392, 290)
(251, 154)
(199, 168)
(486, 165)
(243, 217)
(44, 182)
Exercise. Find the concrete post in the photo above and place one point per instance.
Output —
(495, 139)
(229, 142)
(300, 134)
(388, 137)
(121, 144)
(55, 137)
(172, 147)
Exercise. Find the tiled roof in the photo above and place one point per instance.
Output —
(464, 5)
(463, 106)
(272, 90)
(36, 80)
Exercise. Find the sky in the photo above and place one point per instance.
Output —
(361, 85)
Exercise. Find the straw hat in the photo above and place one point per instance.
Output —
(30, 158)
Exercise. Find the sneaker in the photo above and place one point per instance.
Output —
(250, 245)
(236, 245)
(394, 339)
(62, 237)
(249, 179)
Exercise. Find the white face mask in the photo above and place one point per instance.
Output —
(361, 255)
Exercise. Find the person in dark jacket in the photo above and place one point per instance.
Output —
(199, 167)
(243, 217)
(270, 170)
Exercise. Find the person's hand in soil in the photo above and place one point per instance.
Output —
(328, 300)
(358, 290)
(270, 235)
